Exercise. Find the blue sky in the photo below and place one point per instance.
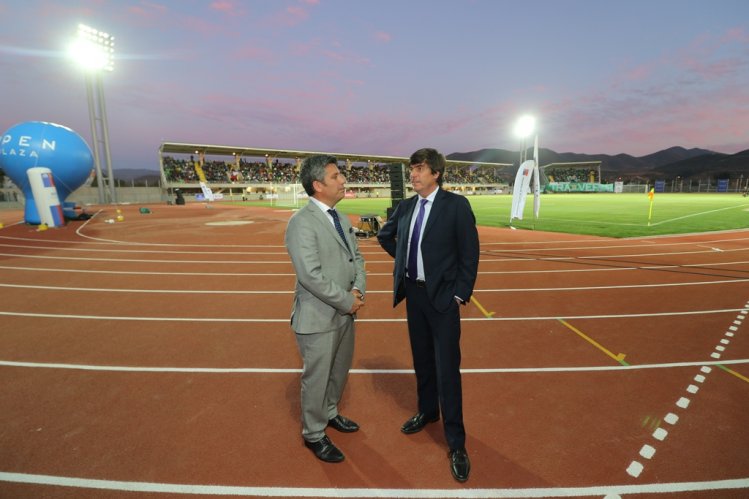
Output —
(389, 76)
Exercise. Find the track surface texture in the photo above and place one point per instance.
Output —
(153, 358)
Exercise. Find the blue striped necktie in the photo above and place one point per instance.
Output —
(413, 247)
(338, 227)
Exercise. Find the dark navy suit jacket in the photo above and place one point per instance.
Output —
(449, 248)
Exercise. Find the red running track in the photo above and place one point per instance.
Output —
(153, 358)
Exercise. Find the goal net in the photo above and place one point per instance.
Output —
(288, 195)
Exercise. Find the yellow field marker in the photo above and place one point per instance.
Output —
(730, 371)
(483, 310)
(619, 357)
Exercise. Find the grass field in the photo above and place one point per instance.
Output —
(609, 215)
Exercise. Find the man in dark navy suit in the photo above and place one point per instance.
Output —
(434, 241)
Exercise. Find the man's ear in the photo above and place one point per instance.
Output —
(317, 185)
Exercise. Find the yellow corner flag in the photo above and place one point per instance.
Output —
(651, 195)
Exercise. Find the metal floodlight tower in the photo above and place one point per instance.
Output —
(94, 51)
(524, 128)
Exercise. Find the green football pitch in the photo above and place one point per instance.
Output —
(600, 214)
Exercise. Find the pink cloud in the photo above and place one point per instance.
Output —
(148, 10)
(382, 36)
(346, 58)
(306, 48)
(289, 17)
(200, 25)
(736, 35)
(227, 7)
(253, 52)
(639, 73)
(296, 14)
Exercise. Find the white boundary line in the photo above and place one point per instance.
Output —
(291, 291)
(704, 266)
(647, 451)
(286, 320)
(262, 370)
(235, 490)
(521, 245)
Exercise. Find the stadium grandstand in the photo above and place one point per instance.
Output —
(261, 173)
(580, 176)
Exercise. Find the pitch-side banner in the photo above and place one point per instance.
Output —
(536, 181)
(520, 190)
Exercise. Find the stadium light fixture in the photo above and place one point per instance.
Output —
(93, 50)
(524, 128)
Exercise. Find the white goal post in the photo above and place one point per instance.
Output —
(287, 194)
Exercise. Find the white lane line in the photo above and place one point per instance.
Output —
(158, 251)
(565, 245)
(175, 274)
(485, 255)
(135, 260)
(238, 490)
(706, 266)
(110, 242)
(635, 468)
(165, 291)
(264, 370)
(286, 320)
(384, 291)
(702, 266)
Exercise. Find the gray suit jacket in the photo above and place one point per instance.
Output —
(326, 271)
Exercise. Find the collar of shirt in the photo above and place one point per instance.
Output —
(324, 207)
(431, 196)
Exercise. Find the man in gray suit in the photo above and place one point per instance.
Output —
(329, 290)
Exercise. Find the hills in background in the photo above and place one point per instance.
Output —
(666, 164)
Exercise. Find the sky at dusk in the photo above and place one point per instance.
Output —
(387, 77)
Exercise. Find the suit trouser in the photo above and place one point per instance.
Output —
(327, 360)
(435, 347)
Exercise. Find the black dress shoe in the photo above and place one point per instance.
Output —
(460, 465)
(343, 424)
(418, 422)
(325, 450)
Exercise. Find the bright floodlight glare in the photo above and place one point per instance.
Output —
(93, 49)
(525, 126)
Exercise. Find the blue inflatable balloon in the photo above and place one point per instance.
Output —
(38, 143)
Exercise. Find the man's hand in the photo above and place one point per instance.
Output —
(358, 301)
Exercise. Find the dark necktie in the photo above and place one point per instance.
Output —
(338, 227)
(413, 248)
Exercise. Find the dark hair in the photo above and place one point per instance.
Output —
(433, 158)
(313, 168)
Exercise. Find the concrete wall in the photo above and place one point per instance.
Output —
(12, 198)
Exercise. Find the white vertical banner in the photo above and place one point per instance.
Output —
(536, 181)
(207, 192)
(520, 189)
(45, 196)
